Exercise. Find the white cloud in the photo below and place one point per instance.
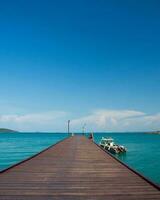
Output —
(98, 120)
(34, 117)
(34, 121)
(103, 120)
(147, 122)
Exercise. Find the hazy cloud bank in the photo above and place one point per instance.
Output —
(98, 120)
(45, 121)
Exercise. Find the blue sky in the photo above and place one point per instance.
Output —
(95, 62)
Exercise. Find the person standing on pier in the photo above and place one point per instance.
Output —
(91, 137)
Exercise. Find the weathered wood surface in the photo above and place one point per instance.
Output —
(74, 169)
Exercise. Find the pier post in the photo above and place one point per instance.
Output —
(68, 127)
(83, 129)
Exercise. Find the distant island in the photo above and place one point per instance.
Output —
(5, 130)
(153, 132)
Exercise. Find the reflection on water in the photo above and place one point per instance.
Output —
(121, 156)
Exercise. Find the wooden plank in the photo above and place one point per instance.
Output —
(75, 168)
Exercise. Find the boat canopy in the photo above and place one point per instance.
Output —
(107, 139)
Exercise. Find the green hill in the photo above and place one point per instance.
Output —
(5, 130)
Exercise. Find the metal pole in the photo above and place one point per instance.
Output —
(83, 129)
(68, 127)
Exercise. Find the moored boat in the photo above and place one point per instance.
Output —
(109, 145)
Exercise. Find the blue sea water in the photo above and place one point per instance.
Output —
(143, 152)
(15, 147)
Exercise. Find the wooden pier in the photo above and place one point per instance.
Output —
(75, 168)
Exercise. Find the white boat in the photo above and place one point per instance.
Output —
(109, 145)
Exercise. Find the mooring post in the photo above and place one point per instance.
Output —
(68, 127)
(83, 129)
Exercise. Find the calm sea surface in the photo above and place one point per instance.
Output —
(143, 149)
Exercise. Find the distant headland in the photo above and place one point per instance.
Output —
(153, 132)
(6, 130)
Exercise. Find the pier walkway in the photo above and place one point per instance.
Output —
(74, 169)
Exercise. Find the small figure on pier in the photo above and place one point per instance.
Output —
(91, 136)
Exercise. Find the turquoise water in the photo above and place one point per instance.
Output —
(143, 152)
(15, 147)
(143, 149)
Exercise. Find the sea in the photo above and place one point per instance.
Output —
(143, 149)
